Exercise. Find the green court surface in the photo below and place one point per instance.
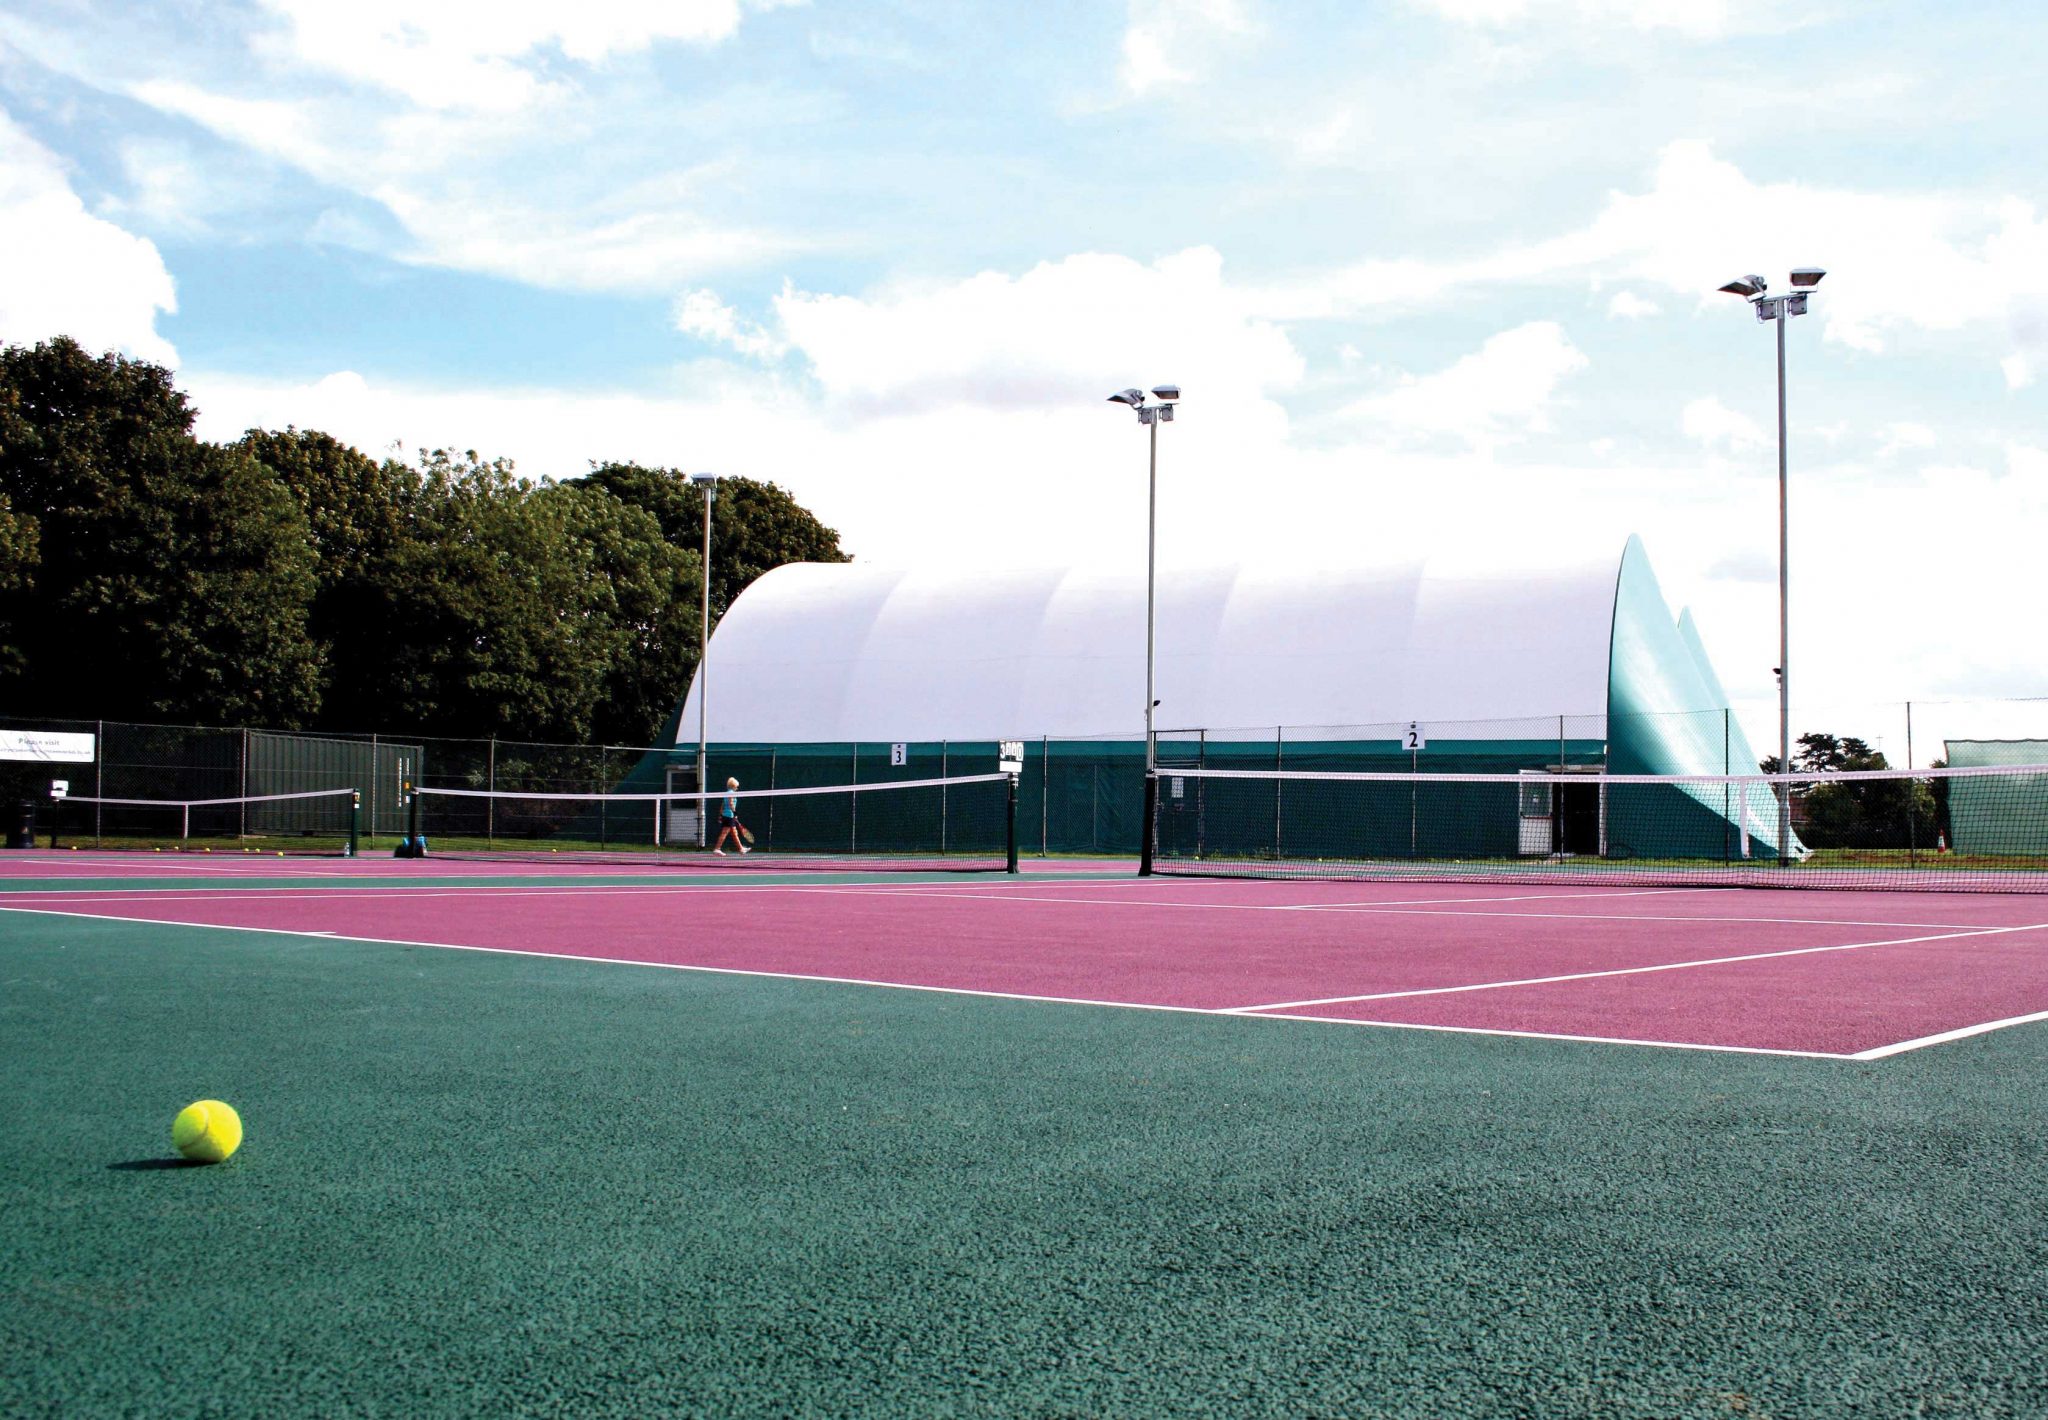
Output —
(491, 1184)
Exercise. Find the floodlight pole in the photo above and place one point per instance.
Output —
(1781, 309)
(1784, 611)
(1151, 416)
(709, 483)
(1151, 591)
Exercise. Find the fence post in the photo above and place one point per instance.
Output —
(491, 783)
(99, 760)
(1279, 785)
(1044, 795)
(242, 809)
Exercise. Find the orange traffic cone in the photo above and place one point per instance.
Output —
(1941, 843)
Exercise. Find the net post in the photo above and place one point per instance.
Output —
(1010, 833)
(355, 823)
(1150, 817)
(412, 819)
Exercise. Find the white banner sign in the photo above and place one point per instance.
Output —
(46, 746)
(1010, 757)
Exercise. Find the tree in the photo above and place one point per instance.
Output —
(356, 511)
(1868, 813)
(755, 527)
(522, 610)
(172, 578)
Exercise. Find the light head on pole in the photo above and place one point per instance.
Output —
(1747, 286)
(1134, 398)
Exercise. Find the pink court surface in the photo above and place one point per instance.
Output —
(1841, 975)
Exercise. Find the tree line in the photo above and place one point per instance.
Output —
(288, 580)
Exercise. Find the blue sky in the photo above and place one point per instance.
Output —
(1431, 272)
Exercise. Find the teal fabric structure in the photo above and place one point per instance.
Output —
(1668, 714)
(822, 674)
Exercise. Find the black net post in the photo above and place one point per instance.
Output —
(1146, 826)
(1011, 831)
(355, 823)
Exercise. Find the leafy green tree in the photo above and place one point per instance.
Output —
(523, 610)
(356, 512)
(173, 577)
(755, 527)
(19, 555)
(1874, 814)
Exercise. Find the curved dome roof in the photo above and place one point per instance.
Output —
(838, 652)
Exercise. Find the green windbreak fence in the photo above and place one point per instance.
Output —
(1984, 820)
(1075, 795)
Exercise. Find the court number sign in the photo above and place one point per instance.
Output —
(899, 754)
(1010, 757)
(1414, 739)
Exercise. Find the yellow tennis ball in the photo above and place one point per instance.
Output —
(207, 1130)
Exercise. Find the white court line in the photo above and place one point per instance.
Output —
(1417, 907)
(942, 990)
(1944, 1037)
(1639, 970)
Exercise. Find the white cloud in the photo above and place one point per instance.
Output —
(1897, 262)
(2018, 370)
(1903, 436)
(1169, 42)
(1701, 19)
(1058, 333)
(640, 237)
(702, 314)
(67, 271)
(1500, 392)
(1627, 305)
(467, 53)
(1708, 421)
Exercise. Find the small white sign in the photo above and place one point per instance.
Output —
(59, 788)
(1414, 739)
(46, 746)
(1180, 787)
(899, 754)
(1010, 757)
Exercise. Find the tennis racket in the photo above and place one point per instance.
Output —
(746, 835)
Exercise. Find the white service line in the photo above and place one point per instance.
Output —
(940, 990)
(1637, 970)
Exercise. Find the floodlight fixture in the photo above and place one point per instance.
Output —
(1807, 275)
(1133, 398)
(1747, 286)
(1166, 393)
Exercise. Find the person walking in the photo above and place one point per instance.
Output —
(729, 820)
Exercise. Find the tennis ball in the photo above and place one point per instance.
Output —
(207, 1130)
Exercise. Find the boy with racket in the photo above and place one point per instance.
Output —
(729, 821)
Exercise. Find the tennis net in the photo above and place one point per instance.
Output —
(322, 821)
(1983, 830)
(963, 823)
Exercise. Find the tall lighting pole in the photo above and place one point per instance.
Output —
(709, 483)
(1151, 416)
(1781, 309)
